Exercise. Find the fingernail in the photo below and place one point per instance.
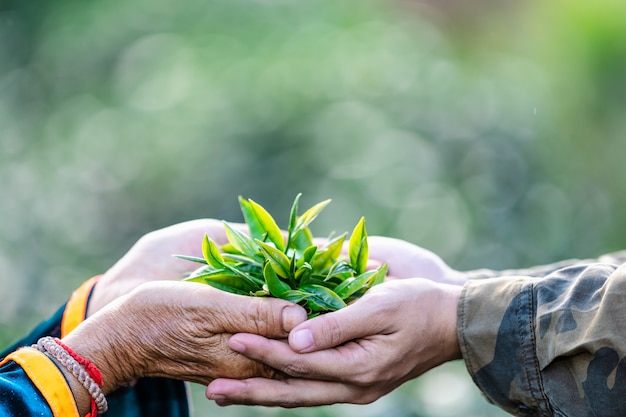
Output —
(301, 340)
(292, 316)
(236, 345)
(219, 399)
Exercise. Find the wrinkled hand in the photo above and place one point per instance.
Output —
(407, 260)
(395, 332)
(150, 259)
(181, 331)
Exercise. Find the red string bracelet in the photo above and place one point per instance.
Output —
(52, 348)
(90, 368)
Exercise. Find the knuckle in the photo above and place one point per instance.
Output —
(373, 374)
(149, 238)
(365, 379)
(296, 368)
(333, 330)
(368, 397)
(259, 317)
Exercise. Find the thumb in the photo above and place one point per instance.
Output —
(333, 329)
(267, 317)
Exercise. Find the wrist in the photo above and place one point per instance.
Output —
(454, 277)
(82, 376)
(110, 350)
(81, 396)
(450, 296)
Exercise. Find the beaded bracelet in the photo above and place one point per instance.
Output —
(91, 369)
(80, 368)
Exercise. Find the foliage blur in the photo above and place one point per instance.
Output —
(491, 133)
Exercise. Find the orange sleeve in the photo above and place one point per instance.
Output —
(76, 308)
(48, 379)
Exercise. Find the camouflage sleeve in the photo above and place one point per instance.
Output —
(553, 346)
(616, 258)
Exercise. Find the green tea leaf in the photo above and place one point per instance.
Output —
(211, 253)
(313, 308)
(295, 296)
(229, 248)
(352, 285)
(380, 275)
(302, 240)
(274, 284)
(316, 278)
(328, 255)
(242, 260)
(204, 270)
(309, 253)
(276, 258)
(293, 264)
(293, 217)
(266, 264)
(303, 274)
(244, 244)
(260, 293)
(358, 249)
(341, 269)
(224, 287)
(224, 281)
(323, 297)
(256, 229)
(308, 216)
(249, 277)
(269, 225)
(192, 259)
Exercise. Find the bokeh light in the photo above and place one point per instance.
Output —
(491, 135)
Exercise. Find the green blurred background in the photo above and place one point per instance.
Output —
(489, 132)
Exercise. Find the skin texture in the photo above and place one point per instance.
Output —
(138, 303)
(181, 331)
(397, 331)
(142, 322)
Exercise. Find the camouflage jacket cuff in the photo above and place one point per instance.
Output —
(553, 346)
(497, 339)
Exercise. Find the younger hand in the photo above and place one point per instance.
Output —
(397, 331)
(407, 260)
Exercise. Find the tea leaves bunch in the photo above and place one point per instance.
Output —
(266, 263)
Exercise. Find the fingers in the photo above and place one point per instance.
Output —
(353, 362)
(181, 330)
(333, 329)
(287, 393)
(404, 258)
(264, 316)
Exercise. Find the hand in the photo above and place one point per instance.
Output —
(150, 259)
(407, 260)
(397, 331)
(179, 330)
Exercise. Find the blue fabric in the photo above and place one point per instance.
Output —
(149, 397)
(18, 396)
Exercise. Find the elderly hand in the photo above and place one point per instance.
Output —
(181, 331)
(150, 259)
(407, 260)
(395, 332)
